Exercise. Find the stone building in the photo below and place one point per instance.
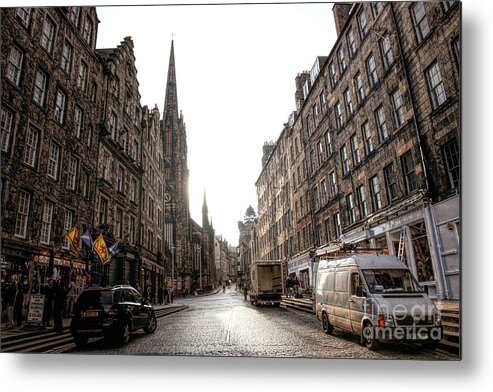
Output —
(373, 148)
(51, 101)
(208, 234)
(245, 243)
(152, 211)
(121, 207)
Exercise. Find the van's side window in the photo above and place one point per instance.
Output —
(355, 283)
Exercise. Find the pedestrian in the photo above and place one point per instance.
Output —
(224, 288)
(25, 289)
(160, 295)
(18, 303)
(58, 301)
(245, 291)
(165, 295)
(47, 291)
(138, 288)
(69, 299)
(296, 286)
(10, 300)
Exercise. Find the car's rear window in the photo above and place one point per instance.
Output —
(95, 298)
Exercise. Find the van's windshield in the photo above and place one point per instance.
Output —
(390, 281)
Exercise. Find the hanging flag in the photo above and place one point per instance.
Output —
(114, 248)
(101, 249)
(87, 239)
(73, 237)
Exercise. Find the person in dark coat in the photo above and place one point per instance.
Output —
(160, 295)
(58, 302)
(19, 300)
(10, 300)
(48, 293)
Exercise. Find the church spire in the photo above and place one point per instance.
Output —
(205, 213)
(170, 112)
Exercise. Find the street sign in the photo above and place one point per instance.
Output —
(36, 305)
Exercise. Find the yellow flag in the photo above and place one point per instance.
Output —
(101, 249)
(73, 237)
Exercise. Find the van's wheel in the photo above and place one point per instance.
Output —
(125, 333)
(326, 325)
(368, 338)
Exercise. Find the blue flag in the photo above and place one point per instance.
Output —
(87, 239)
(114, 248)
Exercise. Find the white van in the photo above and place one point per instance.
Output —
(376, 297)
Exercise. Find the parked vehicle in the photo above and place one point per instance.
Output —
(111, 312)
(376, 297)
(265, 283)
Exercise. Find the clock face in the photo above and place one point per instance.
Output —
(167, 197)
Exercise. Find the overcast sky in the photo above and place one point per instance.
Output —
(235, 69)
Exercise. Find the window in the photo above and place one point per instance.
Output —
(420, 22)
(73, 165)
(121, 179)
(60, 105)
(68, 225)
(333, 74)
(314, 112)
(328, 143)
(365, 128)
(381, 124)
(46, 223)
(355, 150)
(324, 198)
(14, 66)
(451, 158)
(398, 107)
(377, 7)
(94, 92)
(82, 76)
(131, 230)
(323, 102)
(348, 102)
(74, 15)
(316, 200)
(435, 86)
(345, 160)
(106, 162)
(22, 214)
(312, 161)
(320, 151)
(66, 60)
(112, 125)
(78, 117)
(333, 184)
(360, 90)
(342, 60)
(53, 160)
(7, 128)
(31, 146)
(133, 189)
(327, 230)
(48, 35)
(151, 208)
(386, 50)
(363, 24)
(103, 210)
(40, 87)
(351, 44)
(390, 182)
(360, 191)
(85, 181)
(337, 224)
(118, 222)
(409, 172)
(88, 27)
(350, 209)
(375, 193)
(24, 14)
(372, 70)
(338, 114)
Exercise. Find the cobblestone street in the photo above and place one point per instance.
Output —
(227, 325)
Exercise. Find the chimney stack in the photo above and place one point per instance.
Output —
(341, 15)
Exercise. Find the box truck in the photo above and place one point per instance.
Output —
(265, 286)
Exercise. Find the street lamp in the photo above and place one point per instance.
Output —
(172, 268)
(200, 268)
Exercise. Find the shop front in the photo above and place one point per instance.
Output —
(302, 266)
